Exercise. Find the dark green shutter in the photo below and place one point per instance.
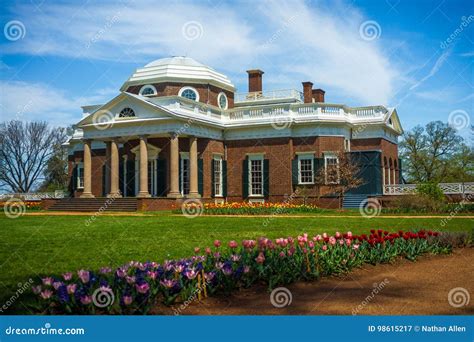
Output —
(213, 180)
(245, 178)
(121, 176)
(130, 178)
(400, 176)
(318, 164)
(161, 186)
(266, 178)
(200, 177)
(224, 178)
(104, 177)
(73, 181)
(294, 171)
(180, 176)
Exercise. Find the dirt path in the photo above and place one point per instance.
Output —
(404, 288)
(348, 216)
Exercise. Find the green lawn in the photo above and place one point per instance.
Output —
(33, 246)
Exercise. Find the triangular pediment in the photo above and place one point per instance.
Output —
(394, 121)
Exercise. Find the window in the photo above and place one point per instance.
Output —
(148, 90)
(306, 169)
(189, 93)
(185, 174)
(127, 112)
(256, 176)
(331, 168)
(222, 100)
(80, 176)
(217, 176)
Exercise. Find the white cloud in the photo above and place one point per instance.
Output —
(39, 101)
(434, 69)
(292, 42)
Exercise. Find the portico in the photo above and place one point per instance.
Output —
(146, 167)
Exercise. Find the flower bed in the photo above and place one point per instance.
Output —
(136, 287)
(246, 208)
(28, 205)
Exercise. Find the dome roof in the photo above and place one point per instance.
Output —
(177, 69)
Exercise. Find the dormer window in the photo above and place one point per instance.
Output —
(222, 101)
(148, 90)
(127, 112)
(189, 93)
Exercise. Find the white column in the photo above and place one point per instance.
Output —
(114, 170)
(174, 167)
(143, 169)
(87, 163)
(193, 168)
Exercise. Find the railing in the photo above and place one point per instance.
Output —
(34, 196)
(447, 188)
(269, 95)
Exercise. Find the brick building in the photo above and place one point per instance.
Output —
(178, 129)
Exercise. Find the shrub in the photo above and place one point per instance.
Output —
(431, 190)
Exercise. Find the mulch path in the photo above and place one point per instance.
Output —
(410, 288)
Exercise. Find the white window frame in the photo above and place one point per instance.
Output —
(347, 145)
(305, 157)
(251, 158)
(219, 177)
(189, 88)
(148, 86)
(79, 179)
(222, 94)
(327, 156)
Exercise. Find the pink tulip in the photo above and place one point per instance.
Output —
(233, 244)
(260, 259)
(317, 238)
(152, 274)
(349, 235)
(325, 247)
(208, 250)
(36, 289)
(127, 300)
(47, 281)
(86, 300)
(217, 243)
(325, 235)
(332, 241)
(67, 276)
(341, 242)
(71, 288)
(348, 242)
(142, 288)
(337, 235)
(46, 294)
(246, 269)
(84, 276)
(197, 250)
(356, 246)
(311, 244)
(57, 284)
(282, 254)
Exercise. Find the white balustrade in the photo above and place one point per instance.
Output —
(34, 196)
(447, 188)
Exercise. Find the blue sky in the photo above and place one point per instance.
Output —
(395, 52)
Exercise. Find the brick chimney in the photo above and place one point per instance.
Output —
(255, 80)
(318, 95)
(308, 92)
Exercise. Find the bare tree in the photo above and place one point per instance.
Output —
(340, 177)
(25, 149)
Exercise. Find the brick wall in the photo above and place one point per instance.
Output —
(207, 93)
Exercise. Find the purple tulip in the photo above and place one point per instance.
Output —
(142, 288)
(86, 300)
(127, 300)
(84, 276)
(168, 283)
(67, 276)
(46, 294)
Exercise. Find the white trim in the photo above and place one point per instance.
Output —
(261, 157)
(218, 158)
(148, 86)
(226, 100)
(189, 88)
(329, 155)
(183, 156)
(80, 166)
(124, 180)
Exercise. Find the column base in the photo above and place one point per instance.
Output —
(87, 195)
(193, 195)
(143, 195)
(114, 195)
(174, 195)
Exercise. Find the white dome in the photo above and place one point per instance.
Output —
(177, 69)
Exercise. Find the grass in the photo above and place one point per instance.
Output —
(34, 246)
